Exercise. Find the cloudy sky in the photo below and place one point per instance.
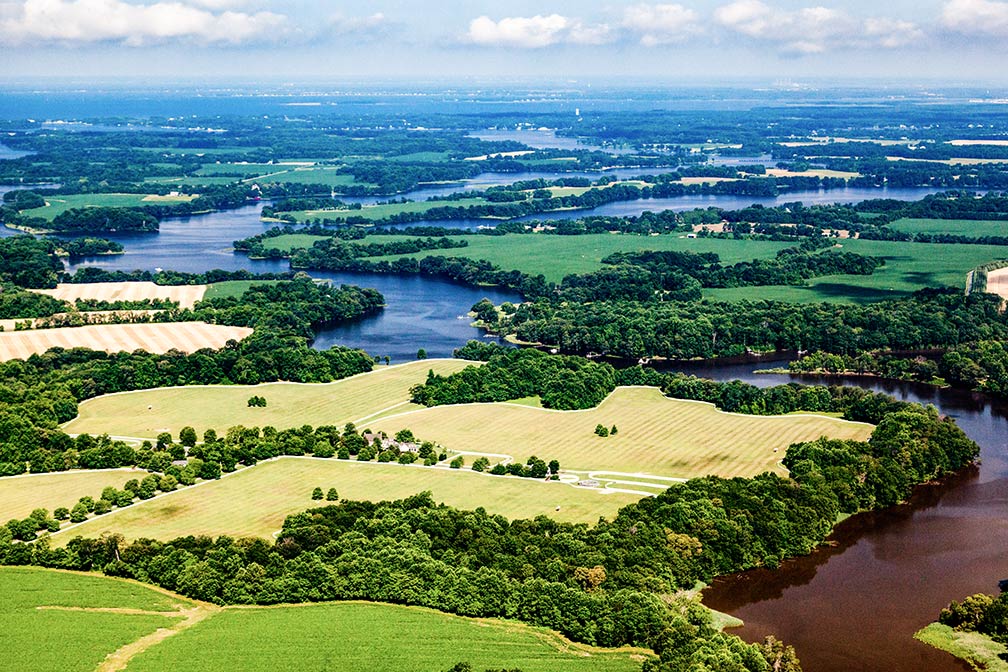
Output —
(957, 40)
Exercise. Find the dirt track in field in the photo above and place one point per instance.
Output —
(186, 295)
(157, 338)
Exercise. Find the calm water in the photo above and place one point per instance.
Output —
(10, 153)
(855, 604)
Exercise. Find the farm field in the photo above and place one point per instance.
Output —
(185, 295)
(20, 495)
(148, 412)
(362, 637)
(72, 622)
(909, 267)
(960, 227)
(657, 435)
(157, 338)
(557, 256)
(376, 212)
(997, 282)
(254, 501)
(233, 288)
(57, 204)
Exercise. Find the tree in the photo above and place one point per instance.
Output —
(457, 463)
(612, 432)
(164, 439)
(421, 354)
(601, 430)
(187, 437)
(481, 464)
(62, 513)
(79, 513)
(317, 493)
(332, 495)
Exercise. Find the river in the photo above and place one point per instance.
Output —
(854, 604)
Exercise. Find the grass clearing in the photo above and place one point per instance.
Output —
(233, 288)
(980, 651)
(254, 501)
(20, 495)
(93, 617)
(657, 436)
(149, 412)
(185, 295)
(291, 241)
(361, 637)
(959, 227)
(58, 204)
(557, 256)
(157, 338)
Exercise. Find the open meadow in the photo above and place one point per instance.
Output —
(58, 204)
(253, 502)
(146, 413)
(383, 211)
(657, 436)
(20, 495)
(363, 637)
(73, 622)
(157, 338)
(959, 227)
(185, 295)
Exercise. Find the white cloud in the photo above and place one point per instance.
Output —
(660, 24)
(534, 32)
(976, 17)
(89, 21)
(814, 30)
(373, 24)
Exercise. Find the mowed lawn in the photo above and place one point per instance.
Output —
(363, 637)
(147, 413)
(80, 632)
(20, 495)
(657, 435)
(254, 501)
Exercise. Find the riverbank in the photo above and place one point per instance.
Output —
(981, 652)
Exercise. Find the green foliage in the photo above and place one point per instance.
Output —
(103, 219)
(317, 493)
(257, 401)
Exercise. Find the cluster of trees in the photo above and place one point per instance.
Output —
(29, 262)
(561, 382)
(257, 401)
(979, 366)
(87, 247)
(677, 330)
(981, 613)
(534, 467)
(102, 219)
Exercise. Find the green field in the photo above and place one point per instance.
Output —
(361, 637)
(377, 212)
(557, 256)
(233, 288)
(657, 436)
(149, 412)
(959, 227)
(980, 651)
(292, 241)
(20, 495)
(63, 202)
(253, 502)
(71, 622)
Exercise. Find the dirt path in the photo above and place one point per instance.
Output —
(120, 658)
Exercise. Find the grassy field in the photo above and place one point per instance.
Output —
(376, 212)
(960, 227)
(148, 412)
(154, 337)
(557, 256)
(360, 637)
(62, 203)
(186, 295)
(980, 651)
(909, 267)
(657, 435)
(233, 288)
(288, 242)
(254, 501)
(72, 622)
(20, 495)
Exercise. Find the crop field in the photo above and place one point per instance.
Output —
(959, 227)
(20, 495)
(254, 501)
(997, 282)
(362, 637)
(63, 202)
(376, 212)
(148, 412)
(157, 338)
(657, 436)
(557, 256)
(73, 622)
(909, 267)
(185, 295)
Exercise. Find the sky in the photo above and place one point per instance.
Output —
(705, 40)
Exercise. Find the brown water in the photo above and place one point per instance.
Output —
(855, 604)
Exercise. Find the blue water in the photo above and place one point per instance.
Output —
(11, 153)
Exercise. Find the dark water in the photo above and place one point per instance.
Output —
(855, 604)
